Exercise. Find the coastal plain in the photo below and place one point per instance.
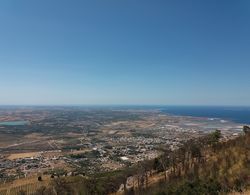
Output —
(77, 140)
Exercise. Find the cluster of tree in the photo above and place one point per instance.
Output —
(207, 166)
(78, 156)
(222, 166)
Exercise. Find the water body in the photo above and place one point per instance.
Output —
(14, 123)
(236, 114)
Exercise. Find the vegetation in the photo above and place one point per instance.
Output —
(206, 166)
(202, 166)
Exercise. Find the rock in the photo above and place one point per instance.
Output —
(121, 189)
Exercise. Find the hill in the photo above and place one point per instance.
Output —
(207, 165)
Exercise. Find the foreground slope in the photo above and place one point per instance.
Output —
(207, 165)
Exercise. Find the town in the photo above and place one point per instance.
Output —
(63, 141)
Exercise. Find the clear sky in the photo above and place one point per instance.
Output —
(125, 52)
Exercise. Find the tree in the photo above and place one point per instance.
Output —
(39, 178)
(157, 165)
(164, 162)
(214, 138)
(216, 135)
(246, 129)
(195, 150)
(21, 192)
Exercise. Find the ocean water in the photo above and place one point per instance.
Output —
(236, 114)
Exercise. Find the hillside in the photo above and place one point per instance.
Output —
(207, 165)
(212, 168)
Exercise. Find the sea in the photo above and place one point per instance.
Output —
(232, 113)
(238, 114)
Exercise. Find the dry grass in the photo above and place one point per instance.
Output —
(29, 185)
(23, 155)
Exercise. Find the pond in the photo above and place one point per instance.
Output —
(14, 123)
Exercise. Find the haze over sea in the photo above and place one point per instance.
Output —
(238, 114)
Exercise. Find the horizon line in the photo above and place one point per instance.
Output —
(117, 105)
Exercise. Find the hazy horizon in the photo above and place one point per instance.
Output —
(119, 105)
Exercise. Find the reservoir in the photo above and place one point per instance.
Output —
(14, 123)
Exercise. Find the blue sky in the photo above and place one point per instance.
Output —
(168, 52)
